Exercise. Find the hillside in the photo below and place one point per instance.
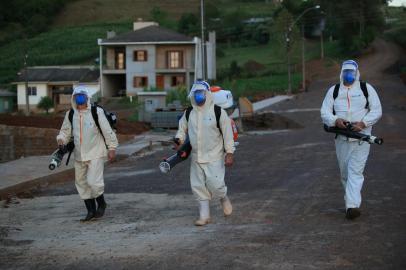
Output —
(81, 12)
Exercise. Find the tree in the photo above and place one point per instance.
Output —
(189, 24)
(45, 103)
(161, 17)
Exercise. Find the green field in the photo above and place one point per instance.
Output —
(249, 87)
(80, 12)
(77, 44)
(61, 46)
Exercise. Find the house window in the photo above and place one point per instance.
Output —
(175, 59)
(32, 90)
(140, 82)
(177, 80)
(120, 58)
(140, 56)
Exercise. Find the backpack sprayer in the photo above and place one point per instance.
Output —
(57, 156)
(349, 133)
(223, 99)
(182, 154)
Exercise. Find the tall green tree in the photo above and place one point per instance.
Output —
(189, 24)
(355, 23)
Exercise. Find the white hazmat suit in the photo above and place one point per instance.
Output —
(209, 146)
(90, 148)
(351, 154)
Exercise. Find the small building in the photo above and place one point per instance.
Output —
(7, 101)
(152, 56)
(56, 82)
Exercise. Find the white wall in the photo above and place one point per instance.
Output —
(42, 91)
(140, 69)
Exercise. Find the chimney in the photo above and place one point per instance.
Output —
(111, 34)
(139, 24)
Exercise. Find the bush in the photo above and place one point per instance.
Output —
(45, 103)
(180, 93)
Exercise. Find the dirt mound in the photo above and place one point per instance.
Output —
(322, 68)
(268, 121)
(55, 122)
(253, 66)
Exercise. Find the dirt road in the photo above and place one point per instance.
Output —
(285, 189)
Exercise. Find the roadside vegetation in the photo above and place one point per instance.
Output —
(251, 48)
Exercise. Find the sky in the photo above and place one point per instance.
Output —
(398, 3)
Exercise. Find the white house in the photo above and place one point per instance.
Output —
(151, 56)
(56, 82)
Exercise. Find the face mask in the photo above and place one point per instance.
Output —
(80, 99)
(200, 97)
(349, 76)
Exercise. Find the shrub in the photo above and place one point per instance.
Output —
(45, 103)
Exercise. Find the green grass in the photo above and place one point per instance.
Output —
(274, 54)
(250, 86)
(253, 9)
(273, 57)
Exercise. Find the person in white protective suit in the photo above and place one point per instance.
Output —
(355, 102)
(90, 150)
(212, 150)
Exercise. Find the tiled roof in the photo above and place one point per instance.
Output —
(60, 74)
(152, 34)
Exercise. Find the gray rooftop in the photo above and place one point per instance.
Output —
(150, 34)
(60, 74)
(6, 93)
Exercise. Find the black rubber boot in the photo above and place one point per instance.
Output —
(352, 213)
(101, 206)
(91, 210)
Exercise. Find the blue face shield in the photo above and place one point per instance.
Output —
(80, 99)
(200, 97)
(349, 76)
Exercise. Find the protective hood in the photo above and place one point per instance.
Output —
(349, 64)
(80, 90)
(201, 85)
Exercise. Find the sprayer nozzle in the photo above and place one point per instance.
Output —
(164, 167)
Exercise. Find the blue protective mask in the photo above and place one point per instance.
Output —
(349, 76)
(200, 97)
(80, 99)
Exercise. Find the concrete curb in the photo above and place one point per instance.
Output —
(62, 177)
(34, 183)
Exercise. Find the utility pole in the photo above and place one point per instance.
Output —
(289, 91)
(303, 60)
(203, 58)
(321, 45)
(287, 35)
(27, 102)
(288, 55)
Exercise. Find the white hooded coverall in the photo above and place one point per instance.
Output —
(351, 153)
(90, 149)
(208, 145)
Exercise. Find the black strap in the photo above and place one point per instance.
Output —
(217, 112)
(93, 109)
(364, 89)
(187, 112)
(70, 116)
(335, 95)
(366, 94)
